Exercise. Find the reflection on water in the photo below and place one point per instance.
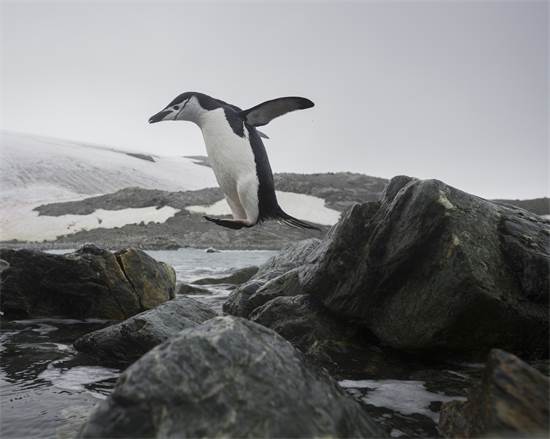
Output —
(32, 354)
(47, 388)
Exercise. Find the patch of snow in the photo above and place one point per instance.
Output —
(304, 207)
(38, 170)
(33, 161)
(22, 223)
(403, 396)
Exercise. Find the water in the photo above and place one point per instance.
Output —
(47, 388)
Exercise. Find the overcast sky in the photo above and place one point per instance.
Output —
(434, 89)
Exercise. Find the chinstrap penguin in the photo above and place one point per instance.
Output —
(237, 154)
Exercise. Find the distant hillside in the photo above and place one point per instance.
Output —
(540, 206)
(187, 228)
(57, 193)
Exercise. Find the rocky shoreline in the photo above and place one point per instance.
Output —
(414, 287)
(339, 190)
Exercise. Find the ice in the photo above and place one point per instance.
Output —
(403, 396)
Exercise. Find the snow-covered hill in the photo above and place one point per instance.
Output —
(81, 169)
(38, 170)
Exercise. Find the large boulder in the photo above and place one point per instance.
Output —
(128, 340)
(228, 377)
(430, 267)
(288, 259)
(512, 400)
(310, 327)
(90, 282)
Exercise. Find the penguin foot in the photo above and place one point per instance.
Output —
(230, 224)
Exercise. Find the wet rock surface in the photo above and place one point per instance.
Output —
(512, 399)
(190, 289)
(431, 267)
(310, 327)
(227, 377)
(128, 340)
(90, 282)
(235, 278)
(239, 302)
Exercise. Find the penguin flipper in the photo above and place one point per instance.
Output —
(265, 112)
(230, 224)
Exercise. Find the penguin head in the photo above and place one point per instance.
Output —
(184, 107)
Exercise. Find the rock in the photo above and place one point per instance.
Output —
(236, 278)
(256, 293)
(188, 289)
(293, 256)
(158, 242)
(128, 340)
(512, 400)
(434, 268)
(238, 302)
(90, 282)
(151, 280)
(4, 265)
(290, 257)
(227, 378)
(310, 328)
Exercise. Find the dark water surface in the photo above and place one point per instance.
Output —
(47, 388)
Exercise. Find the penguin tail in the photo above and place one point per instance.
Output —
(284, 218)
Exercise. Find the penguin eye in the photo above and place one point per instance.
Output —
(176, 107)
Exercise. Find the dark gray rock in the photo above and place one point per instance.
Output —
(512, 400)
(287, 284)
(159, 243)
(90, 282)
(4, 265)
(185, 288)
(291, 257)
(227, 377)
(238, 303)
(310, 327)
(431, 267)
(128, 340)
(236, 278)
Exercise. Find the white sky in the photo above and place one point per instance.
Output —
(455, 90)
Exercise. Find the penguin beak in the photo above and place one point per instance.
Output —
(159, 116)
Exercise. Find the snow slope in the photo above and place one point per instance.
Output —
(304, 207)
(31, 161)
(24, 224)
(40, 170)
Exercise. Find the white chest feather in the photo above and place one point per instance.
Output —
(230, 156)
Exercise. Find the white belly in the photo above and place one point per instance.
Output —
(230, 156)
